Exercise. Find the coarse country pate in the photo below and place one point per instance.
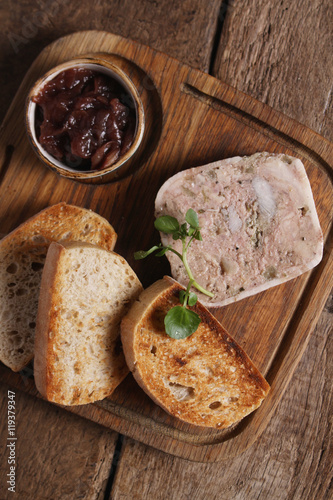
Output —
(259, 224)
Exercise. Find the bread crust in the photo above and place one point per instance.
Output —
(186, 378)
(44, 320)
(48, 222)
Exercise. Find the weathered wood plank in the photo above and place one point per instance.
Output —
(291, 460)
(281, 54)
(184, 30)
(203, 100)
(240, 477)
(57, 455)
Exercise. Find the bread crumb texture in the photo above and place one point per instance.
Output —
(92, 291)
(20, 276)
(205, 379)
(22, 257)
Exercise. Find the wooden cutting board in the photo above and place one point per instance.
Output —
(191, 119)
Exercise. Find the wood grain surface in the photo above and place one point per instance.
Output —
(184, 30)
(293, 458)
(207, 106)
(281, 54)
(48, 444)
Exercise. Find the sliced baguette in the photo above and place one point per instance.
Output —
(85, 291)
(22, 256)
(205, 379)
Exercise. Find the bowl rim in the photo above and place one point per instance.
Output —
(104, 66)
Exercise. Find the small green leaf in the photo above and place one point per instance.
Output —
(198, 236)
(167, 224)
(182, 296)
(183, 230)
(181, 322)
(192, 218)
(142, 254)
(192, 299)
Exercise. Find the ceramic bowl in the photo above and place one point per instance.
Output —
(119, 168)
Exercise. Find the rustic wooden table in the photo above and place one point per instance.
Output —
(280, 53)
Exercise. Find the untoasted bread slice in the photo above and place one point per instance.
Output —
(205, 379)
(22, 256)
(85, 291)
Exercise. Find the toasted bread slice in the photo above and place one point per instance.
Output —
(205, 379)
(22, 256)
(85, 291)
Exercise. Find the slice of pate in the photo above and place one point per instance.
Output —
(259, 224)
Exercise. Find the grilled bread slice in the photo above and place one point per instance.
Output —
(85, 291)
(22, 256)
(205, 379)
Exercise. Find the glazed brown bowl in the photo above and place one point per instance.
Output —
(112, 172)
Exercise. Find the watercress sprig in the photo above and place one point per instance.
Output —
(180, 322)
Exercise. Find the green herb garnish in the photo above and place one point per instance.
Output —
(180, 322)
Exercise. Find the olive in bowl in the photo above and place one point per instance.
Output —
(85, 119)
